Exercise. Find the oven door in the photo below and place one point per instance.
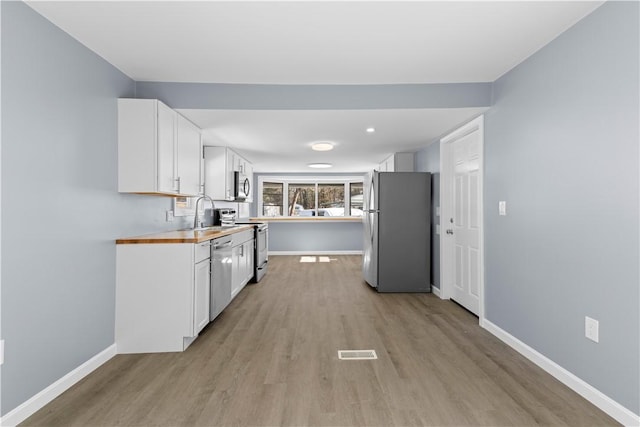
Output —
(262, 245)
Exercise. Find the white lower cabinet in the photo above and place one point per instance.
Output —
(249, 259)
(242, 254)
(202, 290)
(162, 295)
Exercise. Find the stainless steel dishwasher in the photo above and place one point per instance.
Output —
(221, 265)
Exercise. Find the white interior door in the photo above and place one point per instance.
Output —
(462, 219)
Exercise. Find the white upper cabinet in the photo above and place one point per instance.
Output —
(189, 157)
(159, 151)
(165, 152)
(398, 162)
(220, 165)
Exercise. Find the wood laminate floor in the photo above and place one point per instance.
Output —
(271, 359)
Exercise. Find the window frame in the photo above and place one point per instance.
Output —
(285, 180)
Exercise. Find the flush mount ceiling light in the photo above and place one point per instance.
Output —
(371, 130)
(320, 165)
(322, 146)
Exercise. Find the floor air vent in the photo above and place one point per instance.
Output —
(357, 354)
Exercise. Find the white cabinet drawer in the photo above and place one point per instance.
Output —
(202, 251)
(242, 237)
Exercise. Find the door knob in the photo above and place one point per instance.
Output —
(449, 231)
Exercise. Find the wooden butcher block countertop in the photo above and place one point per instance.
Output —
(185, 236)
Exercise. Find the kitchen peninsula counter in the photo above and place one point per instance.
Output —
(307, 219)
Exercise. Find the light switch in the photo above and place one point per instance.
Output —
(502, 207)
(591, 327)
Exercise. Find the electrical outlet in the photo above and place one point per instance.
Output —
(502, 208)
(169, 216)
(591, 327)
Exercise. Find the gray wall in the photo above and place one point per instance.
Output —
(316, 97)
(315, 236)
(561, 148)
(60, 208)
(428, 160)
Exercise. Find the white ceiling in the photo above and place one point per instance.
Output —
(280, 141)
(317, 42)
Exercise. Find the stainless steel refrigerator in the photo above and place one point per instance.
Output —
(397, 231)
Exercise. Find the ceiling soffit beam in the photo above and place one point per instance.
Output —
(316, 97)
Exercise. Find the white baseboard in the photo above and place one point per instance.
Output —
(315, 253)
(593, 395)
(28, 408)
(435, 291)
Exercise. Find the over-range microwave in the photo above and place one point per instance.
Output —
(241, 186)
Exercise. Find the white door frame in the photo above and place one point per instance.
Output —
(446, 209)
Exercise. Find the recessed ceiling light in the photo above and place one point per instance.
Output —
(320, 165)
(322, 146)
(371, 130)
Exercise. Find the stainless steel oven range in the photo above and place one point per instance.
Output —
(261, 249)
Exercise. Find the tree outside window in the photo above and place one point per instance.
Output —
(330, 199)
(356, 190)
(302, 199)
(272, 193)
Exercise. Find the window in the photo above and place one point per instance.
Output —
(272, 198)
(331, 199)
(302, 196)
(302, 199)
(357, 198)
(185, 206)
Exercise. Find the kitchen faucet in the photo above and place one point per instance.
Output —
(195, 220)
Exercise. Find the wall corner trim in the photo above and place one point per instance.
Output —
(31, 406)
(436, 291)
(593, 395)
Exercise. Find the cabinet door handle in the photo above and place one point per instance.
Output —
(178, 182)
